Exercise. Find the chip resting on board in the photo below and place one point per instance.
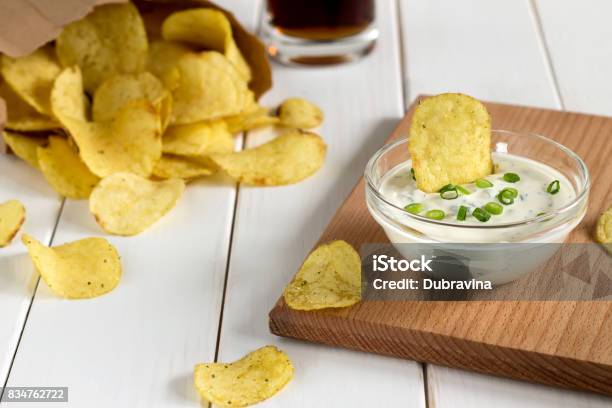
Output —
(252, 119)
(64, 170)
(256, 377)
(603, 230)
(209, 29)
(198, 139)
(450, 141)
(12, 216)
(111, 40)
(299, 113)
(32, 76)
(289, 158)
(184, 167)
(82, 269)
(127, 204)
(208, 87)
(329, 277)
(21, 116)
(24, 147)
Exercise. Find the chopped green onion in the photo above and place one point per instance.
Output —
(540, 213)
(449, 192)
(481, 215)
(463, 190)
(462, 213)
(509, 192)
(494, 208)
(435, 214)
(483, 183)
(554, 187)
(414, 208)
(505, 199)
(412, 173)
(511, 177)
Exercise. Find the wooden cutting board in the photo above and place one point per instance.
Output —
(567, 344)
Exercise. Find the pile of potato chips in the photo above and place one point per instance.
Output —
(127, 104)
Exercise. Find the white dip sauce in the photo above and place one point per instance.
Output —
(400, 189)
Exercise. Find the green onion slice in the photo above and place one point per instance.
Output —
(494, 208)
(483, 183)
(511, 177)
(505, 199)
(554, 187)
(463, 190)
(435, 214)
(509, 192)
(414, 208)
(412, 173)
(462, 213)
(481, 215)
(449, 192)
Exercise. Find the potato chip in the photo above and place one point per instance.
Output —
(32, 76)
(64, 170)
(329, 277)
(208, 87)
(82, 269)
(115, 92)
(209, 29)
(256, 377)
(24, 146)
(450, 141)
(109, 41)
(12, 216)
(603, 231)
(252, 119)
(287, 159)
(127, 204)
(299, 113)
(163, 56)
(21, 116)
(183, 167)
(198, 139)
(67, 97)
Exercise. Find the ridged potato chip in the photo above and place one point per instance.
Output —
(329, 277)
(82, 269)
(208, 87)
(109, 41)
(209, 29)
(127, 204)
(289, 158)
(114, 93)
(252, 119)
(299, 113)
(64, 170)
(256, 377)
(12, 216)
(603, 231)
(450, 141)
(21, 116)
(24, 147)
(187, 168)
(67, 97)
(198, 139)
(32, 76)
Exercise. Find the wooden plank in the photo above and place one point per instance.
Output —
(436, 331)
(17, 276)
(276, 226)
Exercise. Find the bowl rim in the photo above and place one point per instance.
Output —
(586, 185)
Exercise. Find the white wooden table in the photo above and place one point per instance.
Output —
(199, 285)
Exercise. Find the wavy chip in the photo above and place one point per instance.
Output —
(187, 168)
(109, 41)
(603, 230)
(12, 216)
(21, 116)
(198, 139)
(299, 113)
(329, 277)
(208, 87)
(32, 76)
(256, 377)
(24, 147)
(289, 158)
(127, 204)
(82, 269)
(450, 141)
(64, 170)
(252, 119)
(209, 29)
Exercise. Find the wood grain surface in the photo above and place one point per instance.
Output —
(565, 344)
